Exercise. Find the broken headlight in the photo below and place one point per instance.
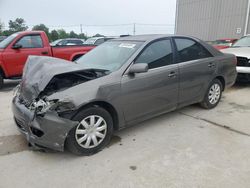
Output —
(16, 91)
(42, 105)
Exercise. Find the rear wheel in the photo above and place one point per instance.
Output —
(213, 95)
(93, 132)
(1, 80)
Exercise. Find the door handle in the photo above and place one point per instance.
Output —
(211, 65)
(172, 74)
(45, 53)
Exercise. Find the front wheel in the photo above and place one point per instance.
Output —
(93, 132)
(213, 95)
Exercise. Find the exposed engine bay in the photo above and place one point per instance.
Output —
(67, 80)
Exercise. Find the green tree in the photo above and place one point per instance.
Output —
(17, 25)
(7, 32)
(1, 27)
(82, 36)
(98, 35)
(72, 34)
(62, 34)
(54, 35)
(41, 27)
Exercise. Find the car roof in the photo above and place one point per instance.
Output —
(150, 37)
(71, 39)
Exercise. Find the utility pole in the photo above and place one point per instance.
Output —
(247, 19)
(134, 29)
(81, 28)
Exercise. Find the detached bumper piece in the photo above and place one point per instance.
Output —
(42, 131)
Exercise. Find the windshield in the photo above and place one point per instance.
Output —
(243, 42)
(8, 40)
(90, 41)
(110, 55)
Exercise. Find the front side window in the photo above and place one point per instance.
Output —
(31, 41)
(157, 54)
(76, 42)
(189, 50)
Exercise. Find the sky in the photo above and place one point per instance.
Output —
(110, 17)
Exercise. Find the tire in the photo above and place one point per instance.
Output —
(208, 102)
(78, 137)
(1, 81)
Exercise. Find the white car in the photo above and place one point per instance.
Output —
(241, 49)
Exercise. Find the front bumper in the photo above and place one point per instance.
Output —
(244, 70)
(42, 131)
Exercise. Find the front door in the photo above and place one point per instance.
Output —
(153, 92)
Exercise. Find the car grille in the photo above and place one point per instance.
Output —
(243, 62)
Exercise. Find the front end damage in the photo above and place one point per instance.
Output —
(41, 124)
(44, 120)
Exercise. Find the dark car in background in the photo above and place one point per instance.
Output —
(67, 42)
(119, 83)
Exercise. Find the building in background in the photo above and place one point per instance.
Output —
(213, 19)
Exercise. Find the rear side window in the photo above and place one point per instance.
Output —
(190, 50)
(76, 42)
(157, 54)
(31, 41)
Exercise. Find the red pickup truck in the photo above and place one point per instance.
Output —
(15, 50)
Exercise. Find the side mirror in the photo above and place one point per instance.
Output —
(17, 46)
(138, 68)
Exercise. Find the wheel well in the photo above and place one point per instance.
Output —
(107, 107)
(222, 80)
(2, 72)
(77, 56)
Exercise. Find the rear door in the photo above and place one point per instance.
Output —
(153, 92)
(197, 68)
(15, 58)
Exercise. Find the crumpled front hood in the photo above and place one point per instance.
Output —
(238, 51)
(38, 72)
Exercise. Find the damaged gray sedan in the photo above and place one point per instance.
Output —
(60, 104)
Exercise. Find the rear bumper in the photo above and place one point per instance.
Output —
(244, 70)
(47, 131)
